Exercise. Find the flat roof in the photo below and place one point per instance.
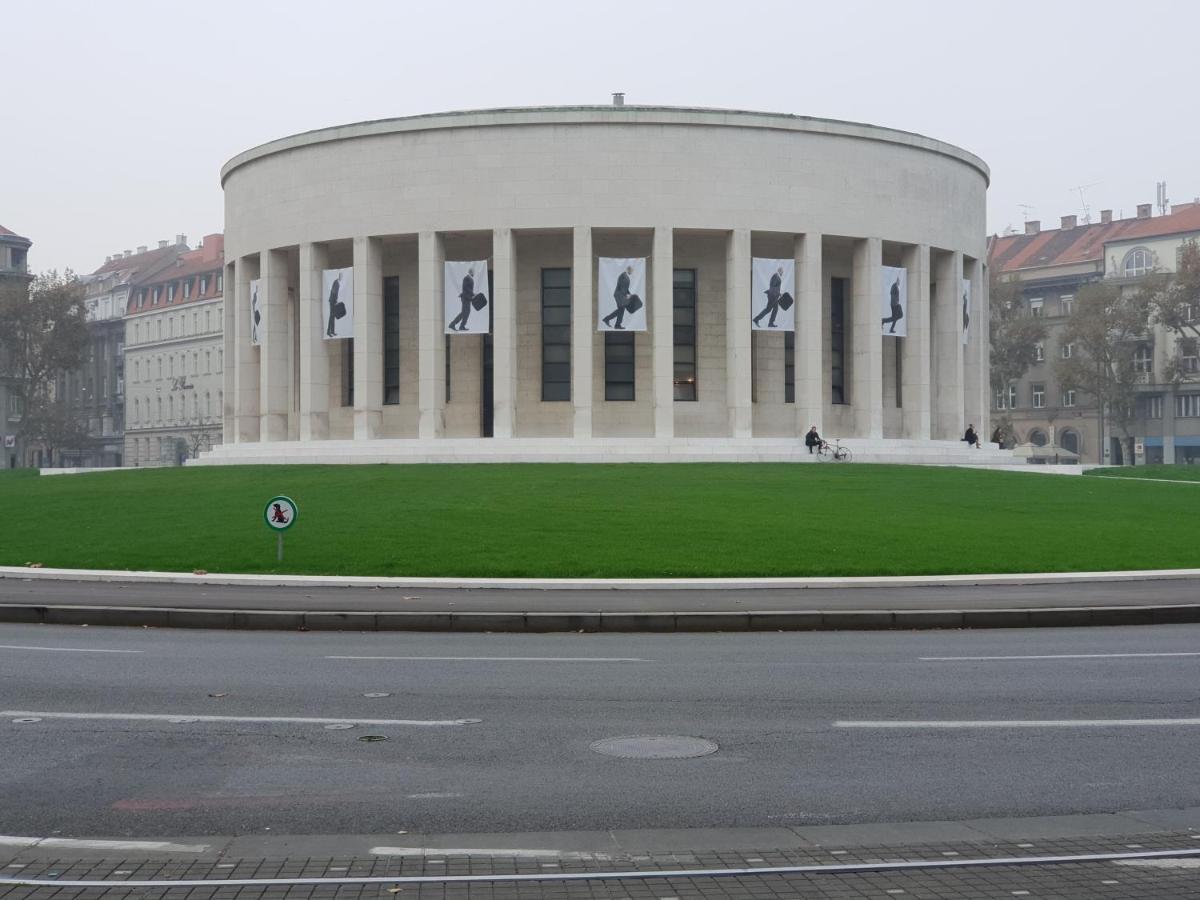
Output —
(606, 115)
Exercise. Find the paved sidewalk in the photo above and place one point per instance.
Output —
(957, 864)
(199, 605)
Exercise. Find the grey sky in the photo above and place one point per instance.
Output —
(118, 115)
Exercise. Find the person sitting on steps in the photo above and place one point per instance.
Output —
(812, 440)
(971, 437)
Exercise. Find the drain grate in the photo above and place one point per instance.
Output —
(655, 746)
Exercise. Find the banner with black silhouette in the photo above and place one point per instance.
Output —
(256, 319)
(337, 303)
(894, 301)
(966, 311)
(621, 293)
(466, 302)
(772, 294)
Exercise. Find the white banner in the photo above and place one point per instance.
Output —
(894, 301)
(772, 294)
(255, 314)
(337, 289)
(621, 294)
(966, 311)
(465, 308)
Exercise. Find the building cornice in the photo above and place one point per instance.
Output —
(606, 115)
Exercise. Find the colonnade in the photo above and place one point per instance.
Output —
(940, 384)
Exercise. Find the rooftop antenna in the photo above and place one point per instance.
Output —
(1087, 210)
(1026, 209)
(1161, 187)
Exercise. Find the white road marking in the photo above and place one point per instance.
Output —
(267, 720)
(488, 851)
(1161, 863)
(1026, 723)
(588, 659)
(73, 844)
(65, 649)
(1052, 656)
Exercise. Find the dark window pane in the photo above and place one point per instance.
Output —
(556, 353)
(556, 372)
(556, 391)
(391, 341)
(556, 315)
(618, 391)
(684, 338)
(556, 278)
(556, 334)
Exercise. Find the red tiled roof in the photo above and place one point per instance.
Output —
(206, 259)
(139, 261)
(1085, 243)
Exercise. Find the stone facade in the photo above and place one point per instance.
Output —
(696, 192)
(174, 359)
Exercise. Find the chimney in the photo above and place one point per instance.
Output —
(181, 239)
(162, 244)
(142, 249)
(1034, 227)
(618, 99)
(128, 253)
(1106, 217)
(1068, 222)
(1144, 210)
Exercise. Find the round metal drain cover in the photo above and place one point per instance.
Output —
(655, 746)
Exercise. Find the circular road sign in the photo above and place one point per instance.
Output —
(281, 513)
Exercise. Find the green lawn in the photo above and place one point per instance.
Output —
(592, 520)
(1171, 473)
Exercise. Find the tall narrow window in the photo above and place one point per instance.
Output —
(556, 334)
(618, 365)
(391, 340)
(837, 334)
(684, 300)
(348, 372)
(789, 367)
(899, 345)
(446, 356)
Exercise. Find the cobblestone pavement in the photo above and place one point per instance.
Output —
(1128, 880)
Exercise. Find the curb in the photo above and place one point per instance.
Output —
(546, 622)
(118, 576)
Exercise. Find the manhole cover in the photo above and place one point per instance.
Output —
(655, 746)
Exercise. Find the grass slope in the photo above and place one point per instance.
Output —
(596, 520)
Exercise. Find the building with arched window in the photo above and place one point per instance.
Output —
(541, 208)
(1052, 266)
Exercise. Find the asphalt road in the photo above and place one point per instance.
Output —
(87, 593)
(777, 704)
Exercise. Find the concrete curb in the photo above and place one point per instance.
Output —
(597, 622)
(591, 584)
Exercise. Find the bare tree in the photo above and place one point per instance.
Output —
(1175, 305)
(199, 436)
(43, 332)
(1108, 326)
(1014, 338)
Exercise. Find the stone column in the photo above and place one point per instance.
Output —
(228, 356)
(738, 362)
(314, 352)
(916, 365)
(866, 367)
(810, 398)
(368, 338)
(947, 356)
(662, 330)
(1168, 427)
(976, 355)
(504, 340)
(245, 355)
(275, 358)
(431, 258)
(582, 328)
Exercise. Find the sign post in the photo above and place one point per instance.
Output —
(280, 514)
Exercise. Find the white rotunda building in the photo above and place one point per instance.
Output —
(602, 284)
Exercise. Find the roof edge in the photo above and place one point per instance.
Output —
(603, 114)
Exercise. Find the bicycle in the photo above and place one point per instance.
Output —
(835, 452)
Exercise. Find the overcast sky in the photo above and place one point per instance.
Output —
(118, 115)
